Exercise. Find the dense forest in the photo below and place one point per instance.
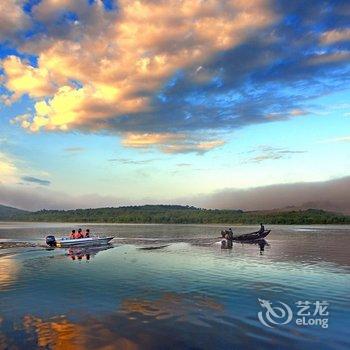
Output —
(176, 214)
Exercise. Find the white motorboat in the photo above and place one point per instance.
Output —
(68, 242)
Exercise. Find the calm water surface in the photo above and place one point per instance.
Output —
(187, 294)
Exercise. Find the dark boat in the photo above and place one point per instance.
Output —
(251, 237)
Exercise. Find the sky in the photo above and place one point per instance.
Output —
(220, 104)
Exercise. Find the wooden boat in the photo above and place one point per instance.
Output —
(250, 237)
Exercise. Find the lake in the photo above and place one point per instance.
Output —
(186, 294)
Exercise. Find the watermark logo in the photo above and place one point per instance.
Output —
(274, 315)
(308, 313)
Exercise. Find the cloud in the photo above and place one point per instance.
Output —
(171, 143)
(298, 112)
(22, 78)
(326, 58)
(329, 195)
(12, 19)
(11, 169)
(43, 198)
(264, 153)
(35, 180)
(335, 36)
(111, 85)
(8, 169)
(280, 116)
(111, 64)
(338, 140)
(169, 68)
(132, 161)
(74, 150)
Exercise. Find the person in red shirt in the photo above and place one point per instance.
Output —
(72, 235)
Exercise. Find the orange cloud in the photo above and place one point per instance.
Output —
(339, 56)
(21, 78)
(170, 143)
(111, 63)
(296, 112)
(335, 36)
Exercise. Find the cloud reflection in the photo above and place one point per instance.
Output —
(61, 334)
(9, 269)
(115, 330)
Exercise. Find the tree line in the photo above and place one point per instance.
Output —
(176, 214)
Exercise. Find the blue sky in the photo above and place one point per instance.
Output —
(164, 102)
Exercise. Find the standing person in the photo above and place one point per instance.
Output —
(230, 233)
(72, 235)
(87, 233)
(262, 228)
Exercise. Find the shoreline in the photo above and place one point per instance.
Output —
(11, 244)
(169, 223)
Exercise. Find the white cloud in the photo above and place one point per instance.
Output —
(8, 169)
(340, 139)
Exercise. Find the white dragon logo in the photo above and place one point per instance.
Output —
(274, 315)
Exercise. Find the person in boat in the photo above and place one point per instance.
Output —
(227, 241)
(72, 235)
(262, 228)
(87, 233)
(79, 234)
(230, 234)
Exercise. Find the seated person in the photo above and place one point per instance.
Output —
(72, 235)
(87, 233)
(79, 234)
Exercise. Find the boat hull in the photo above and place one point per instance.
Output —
(252, 237)
(91, 241)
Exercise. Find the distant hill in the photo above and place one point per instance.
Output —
(8, 213)
(177, 214)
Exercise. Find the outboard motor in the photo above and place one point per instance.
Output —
(51, 241)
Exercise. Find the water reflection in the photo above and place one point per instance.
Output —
(121, 328)
(9, 269)
(175, 306)
(261, 243)
(62, 334)
(81, 253)
(174, 288)
(56, 334)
